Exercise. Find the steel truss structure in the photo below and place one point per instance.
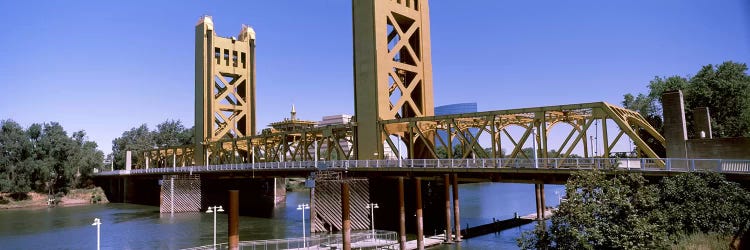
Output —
(466, 130)
(328, 143)
(462, 130)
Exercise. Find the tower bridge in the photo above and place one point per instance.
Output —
(394, 106)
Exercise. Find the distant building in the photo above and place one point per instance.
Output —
(291, 124)
(331, 120)
(456, 108)
(452, 109)
(335, 120)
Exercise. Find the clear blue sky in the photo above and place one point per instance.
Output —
(107, 67)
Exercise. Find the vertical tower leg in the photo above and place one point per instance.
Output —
(392, 68)
(346, 226)
(456, 213)
(402, 215)
(420, 232)
(448, 231)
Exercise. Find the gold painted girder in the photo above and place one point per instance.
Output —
(465, 130)
(271, 147)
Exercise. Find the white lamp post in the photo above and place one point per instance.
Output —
(372, 207)
(302, 207)
(97, 223)
(214, 210)
(533, 145)
(399, 151)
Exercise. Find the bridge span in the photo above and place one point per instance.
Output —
(548, 170)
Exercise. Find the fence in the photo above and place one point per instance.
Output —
(359, 240)
(635, 164)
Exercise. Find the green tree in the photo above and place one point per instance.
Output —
(84, 158)
(172, 133)
(620, 210)
(56, 150)
(703, 203)
(15, 148)
(134, 140)
(724, 89)
(43, 157)
(603, 212)
(169, 133)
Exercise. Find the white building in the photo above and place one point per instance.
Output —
(347, 145)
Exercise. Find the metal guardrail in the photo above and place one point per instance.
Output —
(633, 164)
(360, 240)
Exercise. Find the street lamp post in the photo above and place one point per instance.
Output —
(399, 152)
(97, 223)
(372, 207)
(214, 210)
(302, 207)
(533, 145)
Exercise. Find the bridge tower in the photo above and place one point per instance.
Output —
(224, 86)
(392, 68)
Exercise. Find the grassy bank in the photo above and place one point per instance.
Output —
(34, 199)
(701, 241)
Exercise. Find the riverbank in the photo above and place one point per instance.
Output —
(34, 199)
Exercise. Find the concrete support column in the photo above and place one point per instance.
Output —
(234, 219)
(346, 226)
(448, 231)
(402, 215)
(128, 160)
(675, 131)
(420, 222)
(456, 213)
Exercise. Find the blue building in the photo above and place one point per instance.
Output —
(457, 108)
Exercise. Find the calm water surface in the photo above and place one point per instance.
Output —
(127, 226)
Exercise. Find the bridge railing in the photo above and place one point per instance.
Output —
(631, 164)
(360, 240)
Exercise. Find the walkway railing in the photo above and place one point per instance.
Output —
(632, 164)
(360, 240)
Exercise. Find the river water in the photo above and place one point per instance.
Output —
(127, 226)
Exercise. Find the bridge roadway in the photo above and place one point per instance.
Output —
(546, 170)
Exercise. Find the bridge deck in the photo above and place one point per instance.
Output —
(498, 169)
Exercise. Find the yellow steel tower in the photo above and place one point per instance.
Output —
(392, 69)
(224, 86)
